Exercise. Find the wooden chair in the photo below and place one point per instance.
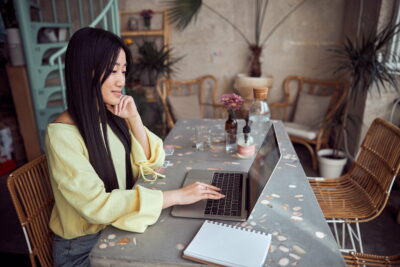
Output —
(361, 194)
(189, 99)
(307, 108)
(32, 196)
(360, 260)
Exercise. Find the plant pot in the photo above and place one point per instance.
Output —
(245, 84)
(150, 93)
(328, 167)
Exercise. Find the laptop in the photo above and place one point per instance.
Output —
(241, 189)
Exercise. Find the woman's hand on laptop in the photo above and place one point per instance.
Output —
(191, 194)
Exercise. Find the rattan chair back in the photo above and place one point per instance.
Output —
(285, 110)
(293, 86)
(32, 196)
(361, 259)
(361, 194)
(377, 164)
(204, 87)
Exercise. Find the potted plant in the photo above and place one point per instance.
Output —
(153, 63)
(182, 12)
(362, 62)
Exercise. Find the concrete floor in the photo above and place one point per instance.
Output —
(380, 236)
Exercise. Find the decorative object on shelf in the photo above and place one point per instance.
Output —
(133, 24)
(232, 102)
(128, 41)
(147, 14)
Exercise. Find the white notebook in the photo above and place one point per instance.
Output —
(228, 245)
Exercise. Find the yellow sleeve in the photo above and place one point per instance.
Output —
(79, 184)
(139, 159)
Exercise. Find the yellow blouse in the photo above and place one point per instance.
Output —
(81, 204)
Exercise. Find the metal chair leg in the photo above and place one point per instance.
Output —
(354, 235)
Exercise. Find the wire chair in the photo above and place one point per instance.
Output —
(32, 196)
(361, 194)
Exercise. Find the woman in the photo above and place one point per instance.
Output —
(98, 148)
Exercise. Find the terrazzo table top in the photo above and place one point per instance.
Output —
(287, 208)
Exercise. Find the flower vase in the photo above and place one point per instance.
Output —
(147, 22)
(230, 133)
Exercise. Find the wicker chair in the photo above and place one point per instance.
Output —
(32, 196)
(360, 259)
(361, 194)
(308, 123)
(195, 98)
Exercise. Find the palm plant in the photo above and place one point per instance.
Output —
(361, 60)
(182, 12)
(153, 62)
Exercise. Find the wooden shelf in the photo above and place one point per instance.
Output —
(129, 12)
(164, 32)
(143, 33)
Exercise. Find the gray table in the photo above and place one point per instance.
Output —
(287, 209)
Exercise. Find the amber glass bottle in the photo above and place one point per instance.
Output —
(231, 124)
(230, 133)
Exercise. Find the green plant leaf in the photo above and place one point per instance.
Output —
(154, 61)
(359, 58)
(182, 12)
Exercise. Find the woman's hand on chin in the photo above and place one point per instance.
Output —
(125, 109)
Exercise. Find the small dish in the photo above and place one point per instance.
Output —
(243, 157)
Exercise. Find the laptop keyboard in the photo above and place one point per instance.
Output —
(231, 187)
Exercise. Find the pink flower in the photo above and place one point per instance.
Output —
(146, 13)
(232, 101)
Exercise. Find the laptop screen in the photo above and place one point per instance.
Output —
(264, 164)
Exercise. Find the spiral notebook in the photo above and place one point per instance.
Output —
(222, 244)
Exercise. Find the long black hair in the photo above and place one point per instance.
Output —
(89, 60)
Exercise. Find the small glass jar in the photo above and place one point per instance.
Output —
(245, 145)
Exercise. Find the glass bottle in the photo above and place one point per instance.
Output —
(230, 132)
(259, 111)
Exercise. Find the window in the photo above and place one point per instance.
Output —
(393, 52)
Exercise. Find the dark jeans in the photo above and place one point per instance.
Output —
(73, 252)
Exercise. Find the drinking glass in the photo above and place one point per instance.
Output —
(230, 142)
(202, 137)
